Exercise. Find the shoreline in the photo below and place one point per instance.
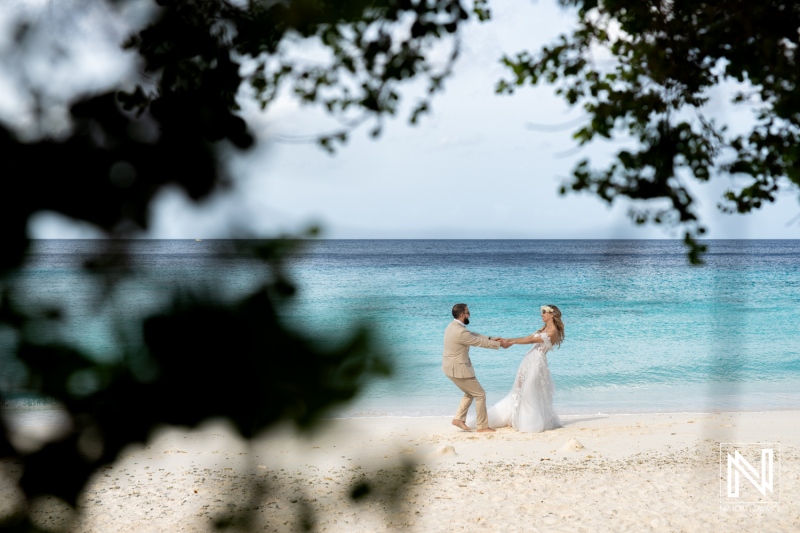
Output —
(637, 472)
(599, 413)
(56, 410)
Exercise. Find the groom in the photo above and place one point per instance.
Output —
(458, 367)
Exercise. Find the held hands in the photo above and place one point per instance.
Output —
(503, 342)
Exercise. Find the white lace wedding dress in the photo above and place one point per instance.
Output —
(529, 405)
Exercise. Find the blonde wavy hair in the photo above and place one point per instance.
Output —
(558, 324)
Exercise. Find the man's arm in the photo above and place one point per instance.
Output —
(478, 340)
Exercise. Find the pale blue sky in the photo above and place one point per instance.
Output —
(471, 169)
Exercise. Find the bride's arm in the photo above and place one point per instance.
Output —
(530, 339)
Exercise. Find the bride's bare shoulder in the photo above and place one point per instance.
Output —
(552, 334)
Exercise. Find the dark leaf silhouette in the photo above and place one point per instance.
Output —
(205, 354)
(665, 59)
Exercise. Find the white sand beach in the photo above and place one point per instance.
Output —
(640, 472)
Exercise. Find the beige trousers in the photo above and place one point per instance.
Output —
(472, 390)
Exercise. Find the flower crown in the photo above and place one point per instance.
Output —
(547, 309)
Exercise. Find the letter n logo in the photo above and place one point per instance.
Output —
(737, 464)
(743, 472)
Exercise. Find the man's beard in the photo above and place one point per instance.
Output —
(466, 321)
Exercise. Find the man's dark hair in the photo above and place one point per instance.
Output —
(459, 310)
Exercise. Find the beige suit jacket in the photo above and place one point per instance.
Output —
(457, 340)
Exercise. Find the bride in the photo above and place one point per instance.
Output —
(528, 406)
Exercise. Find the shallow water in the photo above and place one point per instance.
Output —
(645, 331)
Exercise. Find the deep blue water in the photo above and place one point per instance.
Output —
(644, 330)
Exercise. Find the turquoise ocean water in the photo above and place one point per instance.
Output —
(645, 332)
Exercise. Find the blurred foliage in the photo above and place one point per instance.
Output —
(207, 355)
(646, 70)
(197, 59)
